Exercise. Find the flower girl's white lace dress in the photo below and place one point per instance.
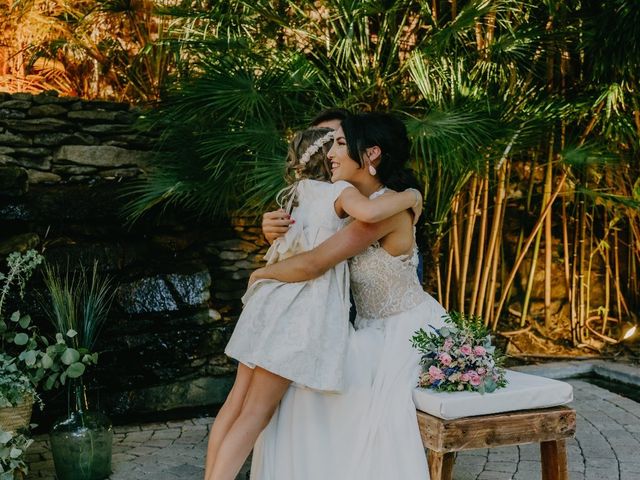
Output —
(369, 431)
(299, 330)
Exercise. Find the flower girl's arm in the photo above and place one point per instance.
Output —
(344, 244)
(375, 210)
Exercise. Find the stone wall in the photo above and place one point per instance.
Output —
(64, 164)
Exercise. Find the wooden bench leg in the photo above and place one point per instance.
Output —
(554, 460)
(441, 465)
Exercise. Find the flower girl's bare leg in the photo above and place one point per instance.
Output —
(228, 414)
(264, 395)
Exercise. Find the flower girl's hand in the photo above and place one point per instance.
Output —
(417, 207)
(275, 224)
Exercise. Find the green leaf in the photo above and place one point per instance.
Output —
(47, 361)
(25, 321)
(75, 370)
(5, 437)
(15, 316)
(59, 338)
(21, 339)
(71, 333)
(30, 358)
(15, 452)
(70, 356)
(51, 381)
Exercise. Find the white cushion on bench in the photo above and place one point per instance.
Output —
(523, 392)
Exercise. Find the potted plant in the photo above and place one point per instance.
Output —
(17, 386)
(12, 448)
(17, 395)
(78, 304)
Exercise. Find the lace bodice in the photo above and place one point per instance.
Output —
(383, 284)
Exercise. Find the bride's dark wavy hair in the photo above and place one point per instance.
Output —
(365, 130)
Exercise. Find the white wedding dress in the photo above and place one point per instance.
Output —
(370, 430)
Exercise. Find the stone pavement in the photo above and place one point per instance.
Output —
(606, 447)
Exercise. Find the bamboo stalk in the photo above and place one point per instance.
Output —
(484, 215)
(616, 263)
(449, 273)
(582, 225)
(548, 240)
(590, 264)
(574, 286)
(468, 239)
(565, 261)
(455, 236)
(494, 267)
(530, 279)
(528, 210)
(528, 242)
(492, 285)
(500, 194)
(607, 274)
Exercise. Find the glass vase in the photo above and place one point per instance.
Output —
(81, 442)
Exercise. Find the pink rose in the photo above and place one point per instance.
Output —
(480, 351)
(445, 358)
(474, 378)
(448, 343)
(466, 349)
(464, 377)
(482, 370)
(435, 373)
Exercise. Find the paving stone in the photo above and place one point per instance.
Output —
(607, 442)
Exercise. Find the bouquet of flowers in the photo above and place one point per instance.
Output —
(459, 356)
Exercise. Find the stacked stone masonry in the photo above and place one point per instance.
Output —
(65, 164)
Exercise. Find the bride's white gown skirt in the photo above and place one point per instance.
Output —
(369, 431)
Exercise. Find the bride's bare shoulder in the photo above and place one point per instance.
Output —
(400, 238)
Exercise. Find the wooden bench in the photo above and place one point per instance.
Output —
(548, 426)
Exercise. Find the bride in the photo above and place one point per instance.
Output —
(368, 431)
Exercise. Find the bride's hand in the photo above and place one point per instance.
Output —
(417, 207)
(255, 276)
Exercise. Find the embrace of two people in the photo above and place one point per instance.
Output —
(316, 397)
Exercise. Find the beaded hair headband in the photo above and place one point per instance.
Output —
(314, 147)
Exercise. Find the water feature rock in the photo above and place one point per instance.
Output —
(44, 124)
(54, 139)
(191, 289)
(47, 110)
(95, 115)
(101, 156)
(147, 295)
(14, 139)
(16, 104)
(189, 393)
(19, 243)
(14, 181)
(9, 113)
(36, 176)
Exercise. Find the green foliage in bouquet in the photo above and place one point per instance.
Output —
(459, 356)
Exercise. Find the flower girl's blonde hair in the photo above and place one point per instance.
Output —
(306, 159)
(307, 155)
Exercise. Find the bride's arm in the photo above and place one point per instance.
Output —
(344, 244)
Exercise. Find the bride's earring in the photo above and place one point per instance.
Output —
(372, 169)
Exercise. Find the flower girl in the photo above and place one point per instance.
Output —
(294, 332)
